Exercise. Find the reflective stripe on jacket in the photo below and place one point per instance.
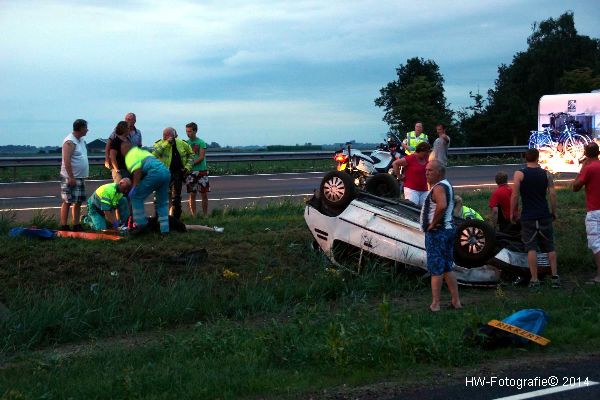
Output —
(412, 140)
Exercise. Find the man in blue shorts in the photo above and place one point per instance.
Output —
(436, 222)
(532, 183)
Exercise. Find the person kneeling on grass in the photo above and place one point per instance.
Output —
(109, 204)
(464, 212)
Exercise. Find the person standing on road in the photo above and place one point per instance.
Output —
(436, 222)
(532, 183)
(197, 180)
(177, 156)
(440, 145)
(589, 176)
(133, 134)
(413, 138)
(415, 182)
(73, 171)
(147, 175)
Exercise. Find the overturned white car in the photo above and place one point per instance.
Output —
(351, 226)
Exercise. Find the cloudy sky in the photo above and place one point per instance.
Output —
(248, 72)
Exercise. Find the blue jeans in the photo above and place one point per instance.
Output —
(155, 178)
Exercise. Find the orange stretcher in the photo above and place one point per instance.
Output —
(107, 235)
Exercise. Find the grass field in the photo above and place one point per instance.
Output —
(260, 315)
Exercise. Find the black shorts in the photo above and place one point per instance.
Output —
(536, 233)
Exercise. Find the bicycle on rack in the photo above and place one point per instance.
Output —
(566, 142)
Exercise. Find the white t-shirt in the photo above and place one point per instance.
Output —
(79, 160)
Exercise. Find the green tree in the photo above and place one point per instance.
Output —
(416, 95)
(472, 121)
(579, 80)
(554, 49)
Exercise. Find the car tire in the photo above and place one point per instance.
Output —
(383, 185)
(474, 243)
(337, 190)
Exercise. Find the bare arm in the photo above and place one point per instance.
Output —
(579, 183)
(200, 156)
(552, 195)
(495, 216)
(113, 159)
(514, 198)
(67, 152)
(107, 153)
(401, 162)
(438, 196)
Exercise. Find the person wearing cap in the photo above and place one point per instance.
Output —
(74, 169)
(109, 204)
(589, 176)
(148, 175)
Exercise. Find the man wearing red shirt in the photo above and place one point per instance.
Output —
(589, 176)
(500, 202)
(415, 182)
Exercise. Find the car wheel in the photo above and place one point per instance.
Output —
(383, 185)
(337, 189)
(474, 243)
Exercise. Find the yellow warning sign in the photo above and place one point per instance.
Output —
(518, 331)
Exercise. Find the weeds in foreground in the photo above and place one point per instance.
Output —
(284, 321)
(7, 220)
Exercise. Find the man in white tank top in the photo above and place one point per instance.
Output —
(436, 222)
(73, 171)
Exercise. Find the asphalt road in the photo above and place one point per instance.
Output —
(27, 198)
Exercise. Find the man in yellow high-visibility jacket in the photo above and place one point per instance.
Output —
(178, 157)
(108, 203)
(413, 138)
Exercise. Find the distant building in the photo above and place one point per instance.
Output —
(97, 146)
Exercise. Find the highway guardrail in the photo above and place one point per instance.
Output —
(216, 157)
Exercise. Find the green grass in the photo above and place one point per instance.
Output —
(280, 324)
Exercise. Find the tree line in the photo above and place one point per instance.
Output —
(557, 60)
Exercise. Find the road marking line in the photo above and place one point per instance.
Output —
(28, 197)
(543, 392)
(277, 196)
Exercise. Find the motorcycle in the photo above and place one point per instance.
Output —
(356, 170)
